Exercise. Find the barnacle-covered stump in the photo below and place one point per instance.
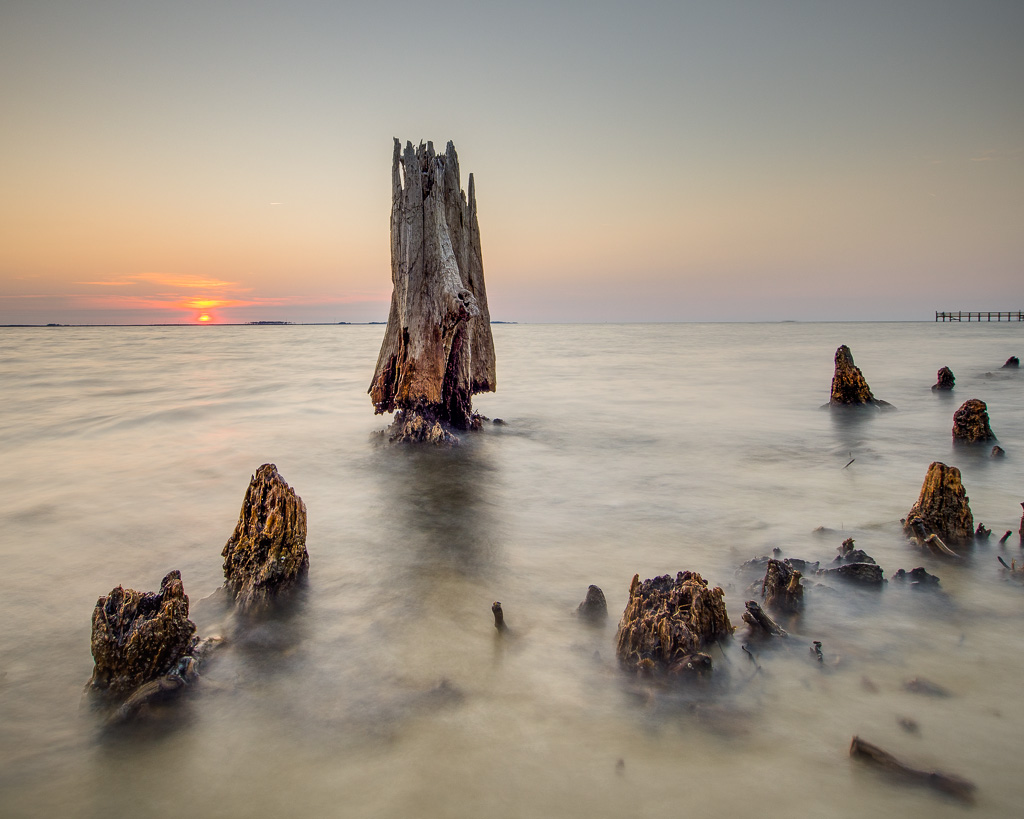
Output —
(945, 380)
(140, 637)
(267, 551)
(848, 385)
(970, 423)
(437, 350)
(668, 623)
(781, 588)
(942, 508)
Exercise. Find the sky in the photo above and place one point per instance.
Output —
(634, 161)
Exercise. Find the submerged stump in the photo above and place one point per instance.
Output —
(437, 350)
(267, 551)
(942, 508)
(945, 380)
(140, 637)
(1012, 363)
(668, 623)
(970, 423)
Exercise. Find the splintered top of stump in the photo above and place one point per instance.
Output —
(666, 621)
(267, 550)
(848, 384)
(139, 636)
(437, 350)
(943, 506)
(970, 423)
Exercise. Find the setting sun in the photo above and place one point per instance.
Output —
(204, 317)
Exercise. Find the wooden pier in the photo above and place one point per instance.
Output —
(984, 315)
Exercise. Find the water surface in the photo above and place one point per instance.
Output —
(383, 690)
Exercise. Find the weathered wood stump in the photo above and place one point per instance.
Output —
(945, 380)
(942, 508)
(848, 554)
(849, 388)
(781, 588)
(267, 551)
(970, 423)
(1012, 363)
(668, 623)
(594, 608)
(140, 637)
(760, 622)
(437, 350)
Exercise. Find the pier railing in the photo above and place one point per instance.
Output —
(984, 315)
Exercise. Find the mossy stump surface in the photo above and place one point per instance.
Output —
(943, 507)
(971, 424)
(668, 623)
(267, 551)
(138, 637)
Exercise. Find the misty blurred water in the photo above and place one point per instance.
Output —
(384, 691)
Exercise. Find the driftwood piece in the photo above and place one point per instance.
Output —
(849, 388)
(781, 589)
(437, 350)
(594, 608)
(945, 380)
(267, 551)
(757, 618)
(947, 783)
(942, 508)
(667, 623)
(971, 424)
(140, 637)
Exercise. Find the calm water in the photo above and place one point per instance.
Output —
(629, 449)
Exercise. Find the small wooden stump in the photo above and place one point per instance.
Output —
(781, 589)
(594, 608)
(942, 508)
(945, 380)
(849, 388)
(668, 623)
(267, 551)
(970, 423)
(139, 637)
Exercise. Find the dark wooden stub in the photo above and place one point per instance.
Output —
(984, 315)
(437, 350)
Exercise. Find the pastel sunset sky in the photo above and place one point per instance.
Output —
(634, 161)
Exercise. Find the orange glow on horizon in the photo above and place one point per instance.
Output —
(204, 317)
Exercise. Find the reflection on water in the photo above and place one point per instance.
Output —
(382, 687)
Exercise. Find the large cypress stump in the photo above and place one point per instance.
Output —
(437, 350)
